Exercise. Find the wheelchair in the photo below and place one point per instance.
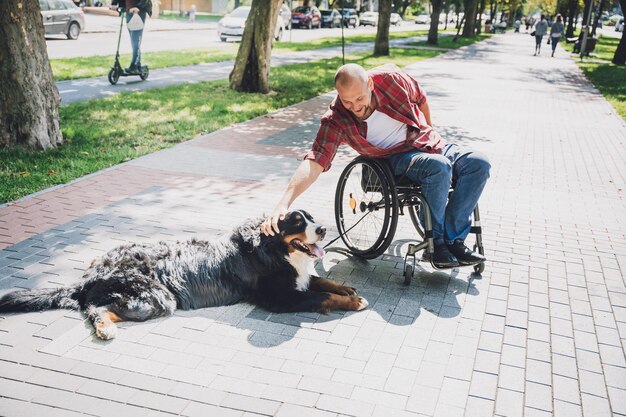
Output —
(368, 201)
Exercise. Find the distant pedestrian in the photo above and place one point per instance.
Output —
(517, 25)
(530, 21)
(541, 28)
(192, 14)
(556, 31)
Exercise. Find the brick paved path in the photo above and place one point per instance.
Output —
(541, 333)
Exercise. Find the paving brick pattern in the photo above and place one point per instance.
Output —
(542, 332)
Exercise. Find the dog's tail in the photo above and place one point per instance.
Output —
(40, 299)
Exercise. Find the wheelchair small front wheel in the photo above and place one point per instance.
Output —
(366, 209)
(408, 274)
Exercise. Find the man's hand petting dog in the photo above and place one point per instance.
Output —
(138, 282)
(270, 226)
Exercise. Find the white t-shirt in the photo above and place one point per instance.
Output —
(383, 131)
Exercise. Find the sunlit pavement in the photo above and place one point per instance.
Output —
(540, 333)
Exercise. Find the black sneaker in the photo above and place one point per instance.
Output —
(133, 69)
(464, 255)
(442, 258)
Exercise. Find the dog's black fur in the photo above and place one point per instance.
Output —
(140, 282)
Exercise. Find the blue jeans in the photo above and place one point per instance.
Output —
(135, 39)
(463, 168)
(554, 41)
(538, 39)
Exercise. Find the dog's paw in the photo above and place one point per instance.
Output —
(344, 290)
(362, 304)
(106, 332)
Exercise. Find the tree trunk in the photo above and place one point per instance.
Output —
(481, 10)
(470, 18)
(586, 13)
(596, 18)
(514, 4)
(381, 47)
(405, 4)
(434, 22)
(252, 66)
(29, 99)
(571, 16)
(493, 9)
(620, 53)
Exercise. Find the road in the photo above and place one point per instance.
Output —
(101, 37)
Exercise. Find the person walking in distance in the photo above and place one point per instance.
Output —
(556, 31)
(541, 28)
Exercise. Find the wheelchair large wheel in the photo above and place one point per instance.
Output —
(366, 209)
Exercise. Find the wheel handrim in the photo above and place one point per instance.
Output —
(364, 211)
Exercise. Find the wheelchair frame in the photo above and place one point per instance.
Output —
(395, 197)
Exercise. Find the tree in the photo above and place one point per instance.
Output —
(596, 17)
(470, 18)
(29, 99)
(404, 4)
(381, 47)
(572, 11)
(481, 10)
(434, 21)
(252, 65)
(620, 53)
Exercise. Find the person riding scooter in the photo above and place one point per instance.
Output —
(135, 9)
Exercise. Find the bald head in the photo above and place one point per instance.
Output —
(350, 74)
(354, 88)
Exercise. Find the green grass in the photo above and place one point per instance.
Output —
(336, 40)
(609, 78)
(448, 42)
(129, 125)
(97, 66)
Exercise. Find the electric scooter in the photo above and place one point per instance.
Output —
(117, 71)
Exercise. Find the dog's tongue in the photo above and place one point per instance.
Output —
(316, 250)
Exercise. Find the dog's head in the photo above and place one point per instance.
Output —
(301, 233)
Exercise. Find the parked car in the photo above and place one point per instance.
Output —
(308, 17)
(285, 14)
(395, 19)
(369, 19)
(619, 26)
(422, 19)
(231, 26)
(350, 17)
(331, 18)
(62, 17)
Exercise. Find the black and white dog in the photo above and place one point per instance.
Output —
(140, 282)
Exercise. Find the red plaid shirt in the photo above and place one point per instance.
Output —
(398, 96)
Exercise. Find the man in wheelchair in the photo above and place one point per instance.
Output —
(384, 113)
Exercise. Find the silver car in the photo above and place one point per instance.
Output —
(62, 17)
(232, 25)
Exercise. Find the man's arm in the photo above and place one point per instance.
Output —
(305, 175)
(426, 110)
